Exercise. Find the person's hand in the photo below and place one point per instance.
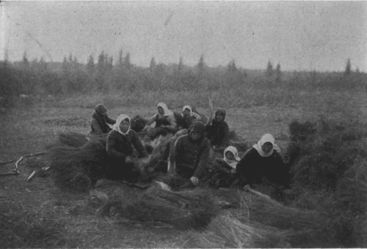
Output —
(194, 180)
(128, 159)
(145, 158)
(246, 187)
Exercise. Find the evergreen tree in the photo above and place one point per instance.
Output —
(70, 57)
(42, 65)
(25, 61)
(120, 60)
(348, 68)
(201, 64)
(232, 66)
(152, 64)
(75, 61)
(65, 65)
(90, 65)
(101, 64)
(127, 61)
(6, 58)
(269, 69)
(180, 64)
(278, 73)
(109, 63)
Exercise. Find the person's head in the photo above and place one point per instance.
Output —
(122, 124)
(100, 109)
(231, 153)
(220, 115)
(267, 143)
(186, 110)
(162, 108)
(196, 131)
(267, 147)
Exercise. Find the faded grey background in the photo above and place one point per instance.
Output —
(298, 35)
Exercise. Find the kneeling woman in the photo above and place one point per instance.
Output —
(263, 164)
(223, 173)
(190, 155)
(121, 141)
(165, 122)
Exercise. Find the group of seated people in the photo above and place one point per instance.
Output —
(191, 150)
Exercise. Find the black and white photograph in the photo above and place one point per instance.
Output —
(183, 124)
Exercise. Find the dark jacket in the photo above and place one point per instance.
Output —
(184, 122)
(218, 133)
(119, 146)
(99, 124)
(254, 169)
(191, 157)
(167, 121)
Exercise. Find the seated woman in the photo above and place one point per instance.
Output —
(263, 164)
(164, 122)
(218, 130)
(185, 119)
(121, 141)
(190, 156)
(100, 121)
(223, 172)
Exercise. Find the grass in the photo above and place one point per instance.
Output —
(251, 111)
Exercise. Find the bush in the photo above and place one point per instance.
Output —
(188, 209)
(77, 168)
(329, 175)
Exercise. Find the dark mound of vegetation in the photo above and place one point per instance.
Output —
(329, 175)
(78, 168)
(71, 139)
(188, 209)
(77, 163)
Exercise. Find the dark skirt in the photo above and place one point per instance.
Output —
(157, 131)
(120, 170)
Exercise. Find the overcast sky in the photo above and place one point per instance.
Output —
(298, 35)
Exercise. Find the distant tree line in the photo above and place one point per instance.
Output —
(104, 74)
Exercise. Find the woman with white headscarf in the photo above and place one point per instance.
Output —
(120, 145)
(187, 117)
(263, 163)
(165, 121)
(223, 173)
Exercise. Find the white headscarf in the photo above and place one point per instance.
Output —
(234, 151)
(266, 138)
(187, 107)
(192, 113)
(119, 119)
(167, 112)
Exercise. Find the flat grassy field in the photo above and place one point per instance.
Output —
(29, 128)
